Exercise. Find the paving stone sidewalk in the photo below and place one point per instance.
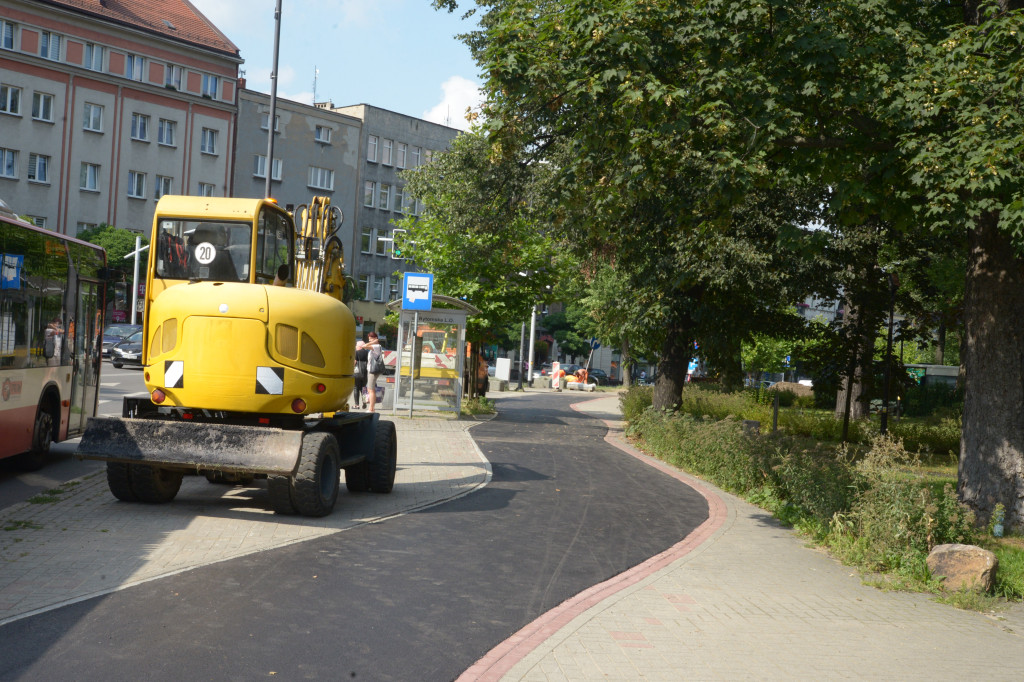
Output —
(745, 599)
(80, 542)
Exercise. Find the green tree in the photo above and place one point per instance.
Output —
(480, 234)
(118, 244)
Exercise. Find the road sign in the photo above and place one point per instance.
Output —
(594, 344)
(417, 291)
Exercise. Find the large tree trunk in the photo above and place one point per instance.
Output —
(672, 366)
(731, 372)
(625, 365)
(991, 467)
(862, 340)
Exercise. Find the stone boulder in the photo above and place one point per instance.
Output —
(963, 566)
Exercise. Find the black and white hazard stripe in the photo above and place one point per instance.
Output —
(174, 374)
(269, 380)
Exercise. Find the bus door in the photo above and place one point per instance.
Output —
(88, 327)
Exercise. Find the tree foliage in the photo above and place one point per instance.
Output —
(118, 244)
(481, 234)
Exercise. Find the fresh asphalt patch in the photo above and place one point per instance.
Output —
(417, 597)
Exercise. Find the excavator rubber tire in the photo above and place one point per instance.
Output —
(377, 472)
(279, 488)
(318, 477)
(153, 484)
(119, 480)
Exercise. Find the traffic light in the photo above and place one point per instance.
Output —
(398, 245)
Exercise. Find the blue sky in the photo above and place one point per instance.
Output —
(400, 55)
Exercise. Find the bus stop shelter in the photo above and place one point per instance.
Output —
(431, 352)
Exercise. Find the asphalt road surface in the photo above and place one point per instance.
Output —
(417, 597)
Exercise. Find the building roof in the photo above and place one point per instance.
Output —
(175, 19)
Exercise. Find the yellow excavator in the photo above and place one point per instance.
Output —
(248, 356)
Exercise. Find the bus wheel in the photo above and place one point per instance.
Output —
(153, 484)
(42, 437)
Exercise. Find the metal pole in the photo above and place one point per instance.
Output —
(273, 99)
(884, 418)
(522, 342)
(135, 278)
(412, 356)
(533, 327)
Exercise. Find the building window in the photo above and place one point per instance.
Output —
(385, 152)
(42, 107)
(399, 198)
(321, 178)
(38, 168)
(400, 153)
(165, 130)
(383, 201)
(266, 121)
(322, 134)
(140, 127)
(414, 157)
(163, 185)
(49, 46)
(428, 156)
(89, 179)
(206, 189)
(208, 143)
(172, 76)
(378, 288)
(6, 34)
(369, 189)
(366, 240)
(210, 86)
(84, 226)
(260, 167)
(93, 57)
(371, 148)
(133, 66)
(37, 220)
(92, 118)
(381, 246)
(136, 184)
(8, 163)
(364, 286)
(393, 294)
(10, 100)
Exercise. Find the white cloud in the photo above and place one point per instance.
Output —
(460, 94)
(243, 15)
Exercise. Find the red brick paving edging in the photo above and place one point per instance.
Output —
(503, 657)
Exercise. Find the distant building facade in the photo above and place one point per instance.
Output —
(390, 143)
(105, 107)
(316, 153)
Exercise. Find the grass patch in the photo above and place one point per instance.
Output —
(478, 405)
(879, 503)
(21, 525)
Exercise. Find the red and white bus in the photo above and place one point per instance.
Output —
(51, 324)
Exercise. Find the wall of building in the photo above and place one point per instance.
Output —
(412, 142)
(90, 66)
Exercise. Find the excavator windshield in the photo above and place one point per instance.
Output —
(204, 250)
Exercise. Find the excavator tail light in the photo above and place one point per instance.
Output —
(158, 396)
(298, 406)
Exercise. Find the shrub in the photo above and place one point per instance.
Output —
(635, 401)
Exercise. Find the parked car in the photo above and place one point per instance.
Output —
(600, 377)
(128, 351)
(116, 333)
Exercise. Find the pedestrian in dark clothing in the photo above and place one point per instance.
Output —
(360, 374)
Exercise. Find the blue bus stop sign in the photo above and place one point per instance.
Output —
(417, 291)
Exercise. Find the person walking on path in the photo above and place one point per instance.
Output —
(374, 367)
(360, 374)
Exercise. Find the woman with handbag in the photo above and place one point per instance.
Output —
(374, 367)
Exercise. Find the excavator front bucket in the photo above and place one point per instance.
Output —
(190, 445)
